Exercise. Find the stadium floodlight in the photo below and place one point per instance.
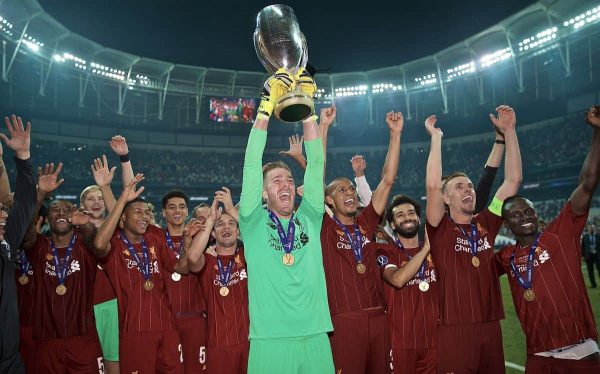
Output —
(359, 90)
(495, 57)
(586, 18)
(427, 79)
(539, 39)
(5, 26)
(31, 45)
(59, 58)
(385, 87)
(461, 70)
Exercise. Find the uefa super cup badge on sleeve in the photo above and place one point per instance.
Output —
(279, 43)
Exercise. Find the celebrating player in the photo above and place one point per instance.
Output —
(224, 282)
(289, 316)
(544, 272)
(468, 336)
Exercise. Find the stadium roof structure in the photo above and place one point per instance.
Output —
(545, 25)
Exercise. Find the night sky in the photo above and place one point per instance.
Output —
(218, 34)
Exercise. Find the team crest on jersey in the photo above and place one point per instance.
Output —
(429, 260)
(481, 230)
(301, 239)
(49, 256)
(153, 252)
(382, 260)
(543, 256)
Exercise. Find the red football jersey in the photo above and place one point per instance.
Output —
(103, 290)
(141, 310)
(412, 313)
(25, 294)
(71, 314)
(185, 294)
(228, 321)
(561, 313)
(467, 294)
(348, 290)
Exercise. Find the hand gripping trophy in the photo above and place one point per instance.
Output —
(280, 44)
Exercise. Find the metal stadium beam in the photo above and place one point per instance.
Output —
(162, 96)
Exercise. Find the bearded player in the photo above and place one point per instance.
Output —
(544, 273)
(470, 304)
(410, 290)
(224, 282)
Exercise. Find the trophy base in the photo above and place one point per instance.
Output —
(295, 106)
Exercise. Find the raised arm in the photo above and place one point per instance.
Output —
(106, 231)
(395, 122)
(224, 196)
(513, 173)
(434, 210)
(327, 117)
(359, 164)
(4, 184)
(103, 177)
(195, 254)
(81, 219)
(295, 151)
(23, 208)
(398, 277)
(251, 196)
(48, 182)
(490, 169)
(314, 193)
(581, 198)
(118, 144)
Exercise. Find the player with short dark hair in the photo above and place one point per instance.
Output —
(410, 288)
(360, 340)
(185, 294)
(138, 265)
(545, 277)
(64, 267)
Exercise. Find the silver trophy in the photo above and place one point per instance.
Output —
(279, 43)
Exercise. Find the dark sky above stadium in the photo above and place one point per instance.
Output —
(355, 36)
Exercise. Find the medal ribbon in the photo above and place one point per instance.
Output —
(525, 283)
(24, 264)
(144, 266)
(287, 241)
(472, 238)
(356, 245)
(61, 265)
(421, 273)
(170, 243)
(225, 274)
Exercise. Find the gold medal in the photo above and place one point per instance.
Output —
(224, 291)
(475, 261)
(424, 286)
(529, 295)
(23, 279)
(148, 285)
(61, 289)
(176, 277)
(288, 259)
(361, 268)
